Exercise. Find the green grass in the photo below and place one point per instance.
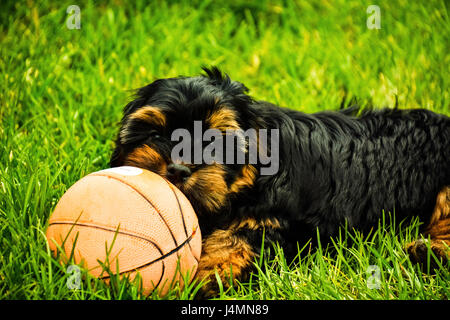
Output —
(62, 92)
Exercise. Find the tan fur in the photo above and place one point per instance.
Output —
(223, 119)
(438, 230)
(442, 207)
(245, 180)
(439, 227)
(225, 253)
(209, 184)
(253, 224)
(151, 115)
(143, 156)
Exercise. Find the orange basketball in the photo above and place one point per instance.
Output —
(130, 216)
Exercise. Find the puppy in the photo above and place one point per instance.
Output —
(329, 169)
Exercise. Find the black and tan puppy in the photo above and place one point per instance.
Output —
(332, 168)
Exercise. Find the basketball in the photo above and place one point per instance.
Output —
(131, 220)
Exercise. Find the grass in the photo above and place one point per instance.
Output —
(62, 92)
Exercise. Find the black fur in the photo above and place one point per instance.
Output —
(335, 167)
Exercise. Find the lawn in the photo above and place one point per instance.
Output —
(63, 90)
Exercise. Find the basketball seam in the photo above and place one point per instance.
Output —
(182, 218)
(179, 207)
(119, 232)
(162, 257)
(174, 250)
(143, 196)
(106, 228)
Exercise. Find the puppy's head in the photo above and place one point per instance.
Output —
(190, 106)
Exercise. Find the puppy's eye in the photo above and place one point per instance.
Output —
(154, 134)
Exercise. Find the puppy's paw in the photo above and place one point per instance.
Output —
(418, 252)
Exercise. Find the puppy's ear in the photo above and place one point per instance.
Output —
(222, 80)
(117, 156)
(235, 92)
(215, 74)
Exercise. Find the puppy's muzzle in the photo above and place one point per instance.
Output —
(178, 173)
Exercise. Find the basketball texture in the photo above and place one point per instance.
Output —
(130, 216)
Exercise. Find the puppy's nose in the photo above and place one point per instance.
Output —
(177, 172)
